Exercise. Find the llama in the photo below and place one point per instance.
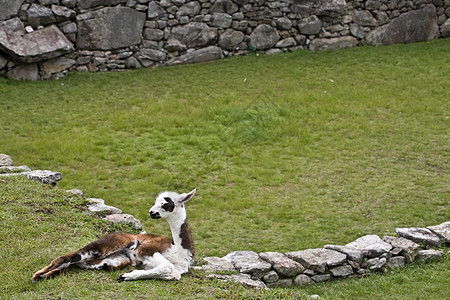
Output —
(158, 257)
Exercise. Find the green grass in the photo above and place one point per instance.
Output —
(287, 152)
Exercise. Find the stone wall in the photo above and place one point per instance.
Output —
(366, 255)
(46, 39)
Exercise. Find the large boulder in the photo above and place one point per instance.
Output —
(283, 265)
(414, 26)
(9, 8)
(248, 262)
(310, 25)
(264, 37)
(109, 28)
(195, 34)
(230, 39)
(331, 8)
(317, 259)
(38, 45)
(333, 43)
(371, 245)
(200, 55)
(419, 235)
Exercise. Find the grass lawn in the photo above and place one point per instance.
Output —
(287, 152)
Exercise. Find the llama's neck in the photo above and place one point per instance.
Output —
(181, 234)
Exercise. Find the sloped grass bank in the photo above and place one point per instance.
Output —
(38, 223)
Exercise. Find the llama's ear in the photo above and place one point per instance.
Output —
(186, 197)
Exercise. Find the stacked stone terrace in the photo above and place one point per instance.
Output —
(363, 257)
(46, 39)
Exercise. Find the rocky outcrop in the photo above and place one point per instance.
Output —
(36, 46)
(109, 28)
(113, 35)
(414, 26)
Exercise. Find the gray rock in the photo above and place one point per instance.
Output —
(283, 23)
(174, 45)
(414, 26)
(321, 278)
(244, 279)
(132, 63)
(57, 65)
(283, 265)
(38, 15)
(12, 169)
(27, 72)
(248, 262)
(364, 18)
(155, 11)
(195, 34)
(5, 160)
(303, 279)
(230, 39)
(153, 34)
(70, 27)
(371, 245)
(189, 9)
(76, 192)
(201, 55)
(310, 25)
(63, 13)
(221, 20)
(270, 277)
(264, 37)
(333, 43)
(372, 4)
(224, 6)
(124, 218)
(285, 282)
(44, 176)
(419, 235)
(14, 24)
(85, 4)
(395, 262)
(215, 264)
(352, 253)
(442, 230)
(342, 271)
(445, 29)
(407, 248)
(429, 255)
(9, 8)
(98, 30)
(98, 205)
(285, 43)
(376, 263)
(331, 8)
(38, 45)
(317, 259)
(3, 62)
(357, 31)
(69, 3)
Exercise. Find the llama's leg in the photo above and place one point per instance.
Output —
(95, 251)
(156, 267)
(57, 265)
(116, 260)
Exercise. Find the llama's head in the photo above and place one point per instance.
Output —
(170, 204)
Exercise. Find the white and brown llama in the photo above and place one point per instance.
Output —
(158, 257)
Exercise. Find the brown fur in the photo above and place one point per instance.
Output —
(114, 245)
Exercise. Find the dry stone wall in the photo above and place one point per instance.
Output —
(46, 39)
(364, 256)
